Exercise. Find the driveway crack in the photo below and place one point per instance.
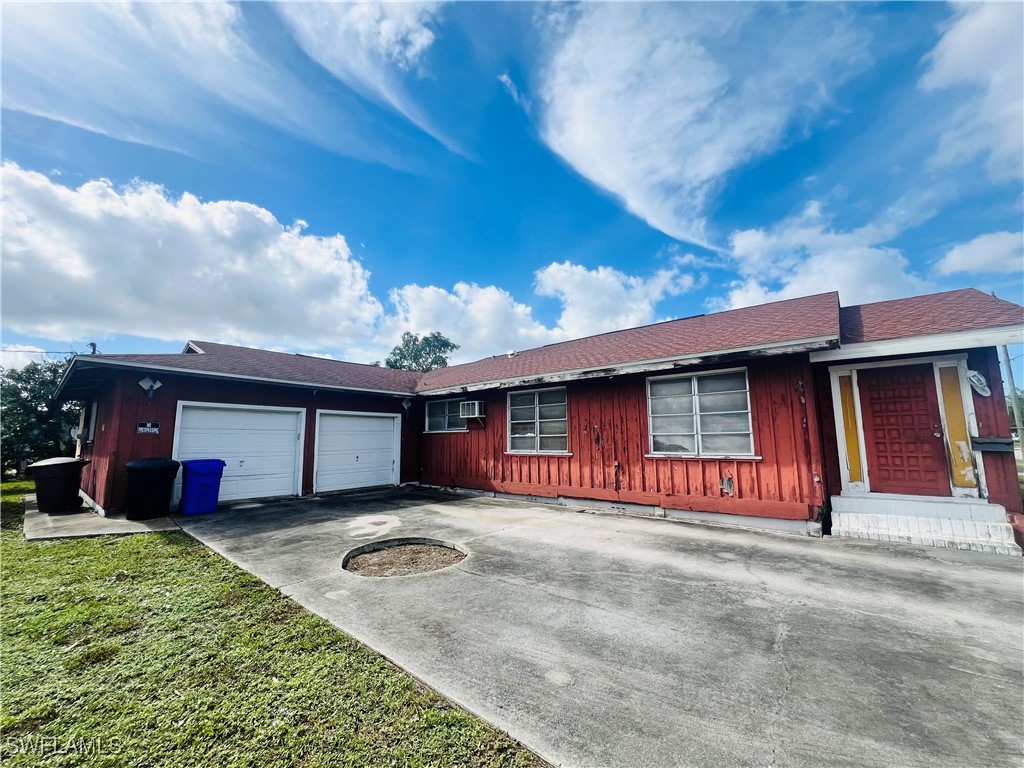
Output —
(779, 650)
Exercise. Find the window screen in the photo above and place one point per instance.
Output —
(538, 421)
(443, 416)
(704, 414)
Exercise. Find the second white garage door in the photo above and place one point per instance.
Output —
(355, 450)
(262, 447)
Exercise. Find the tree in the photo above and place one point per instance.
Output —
(421, 354)
(32, 427)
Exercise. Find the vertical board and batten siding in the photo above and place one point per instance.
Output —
(993, 419)
(122, 403)
(608, 440)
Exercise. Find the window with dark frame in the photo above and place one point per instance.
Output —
(706, 414)
(443, 416)
(538, 421)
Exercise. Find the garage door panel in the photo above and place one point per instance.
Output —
(260, 448)
(213, 419)
(355, 451)
(366, 441)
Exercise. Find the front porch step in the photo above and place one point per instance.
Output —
(947, 532)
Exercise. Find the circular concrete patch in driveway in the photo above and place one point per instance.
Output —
(402, 557)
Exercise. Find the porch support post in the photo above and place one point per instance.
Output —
(1013, 391)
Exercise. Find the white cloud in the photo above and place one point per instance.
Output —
(805, 255)
(487, 320)
(483, 320)
(1001, 252)
(171, 75)
(513, 90)
(658, 103)
(605, 299)
(369, 46)
(14, 356)
(982, 49)
(101, 260)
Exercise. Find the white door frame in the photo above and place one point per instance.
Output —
(959, 361)
(396, 475)
(301, 435)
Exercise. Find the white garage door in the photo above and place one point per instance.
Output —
(262, 448)
(355, 451)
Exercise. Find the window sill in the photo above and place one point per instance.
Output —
(537, 453)
(708, 456)
(444, 431)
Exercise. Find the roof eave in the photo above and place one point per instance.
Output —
(643, 366)
(62, 384)
(230, 376)
(910, 345)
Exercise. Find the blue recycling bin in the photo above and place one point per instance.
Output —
(200, 485)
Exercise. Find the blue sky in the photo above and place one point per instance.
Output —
(320, 178)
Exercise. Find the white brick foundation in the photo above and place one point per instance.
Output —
(970, 524)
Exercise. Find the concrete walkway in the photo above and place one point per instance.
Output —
(613, 641)
(83, 522)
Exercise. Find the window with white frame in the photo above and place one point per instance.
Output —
(443, 416)
(706, 414)
(538, 421)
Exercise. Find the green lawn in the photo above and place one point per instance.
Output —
(150, 650)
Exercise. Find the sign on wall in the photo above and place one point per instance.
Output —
(149, 428)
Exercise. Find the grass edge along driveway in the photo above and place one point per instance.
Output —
(152, 650)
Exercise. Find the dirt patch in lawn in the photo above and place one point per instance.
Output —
(404, 560)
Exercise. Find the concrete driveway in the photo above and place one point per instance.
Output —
(613, 641)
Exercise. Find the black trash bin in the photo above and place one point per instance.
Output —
(57, 483)
(150, 483)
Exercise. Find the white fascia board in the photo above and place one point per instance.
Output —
(641, 366)
(233, 376)
(193, 346)
(939, 342)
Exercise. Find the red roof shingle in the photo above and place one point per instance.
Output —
(229, 360)
(793, 320)
(811, 320)
(967, 309)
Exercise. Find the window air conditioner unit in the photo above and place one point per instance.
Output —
(471, 409)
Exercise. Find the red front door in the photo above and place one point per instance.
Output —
(903, 431)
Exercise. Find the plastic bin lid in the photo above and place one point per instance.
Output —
(152, 464)
(58, 460)
(204, 463)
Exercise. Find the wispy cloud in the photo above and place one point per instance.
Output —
(372, 47)
(658, 103)
(513, 90)
(982, 52)
(178, 76)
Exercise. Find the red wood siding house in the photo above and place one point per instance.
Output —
(124, 404)
(610, 456)
(885, 421)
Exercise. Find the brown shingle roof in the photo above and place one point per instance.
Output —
(229, 360)
(967, 309)
(810, 317)
(818, 318)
